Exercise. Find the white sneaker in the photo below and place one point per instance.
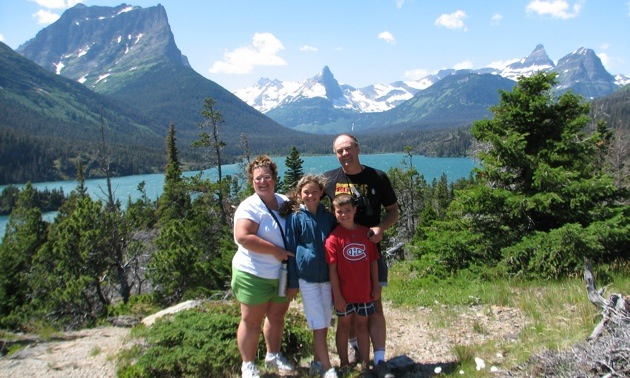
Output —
(331, 373)
(278, 362)
(249, 370)
(316, 369)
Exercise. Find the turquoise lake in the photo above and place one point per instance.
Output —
(127, 187)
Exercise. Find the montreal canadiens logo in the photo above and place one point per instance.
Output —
(354, 252)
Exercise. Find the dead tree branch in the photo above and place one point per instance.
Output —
(616, 309)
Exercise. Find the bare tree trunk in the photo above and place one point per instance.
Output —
(117, 248)
(616, 309)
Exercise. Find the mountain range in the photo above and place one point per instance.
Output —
(580, 71)
(116, 72)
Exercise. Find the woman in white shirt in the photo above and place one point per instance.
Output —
(259, 235)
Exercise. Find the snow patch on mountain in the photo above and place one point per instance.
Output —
(622, 80)
(268, 94)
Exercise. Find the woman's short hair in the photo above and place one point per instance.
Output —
(262, 161)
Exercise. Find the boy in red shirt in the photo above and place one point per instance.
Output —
(353, 277)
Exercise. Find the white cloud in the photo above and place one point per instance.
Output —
(416, 74)
(555, 8)
(387, 37)
(307, 48)
(1, 38)
(465, 65)
(262, 52)
(57, 4)
(46, 17)
(453, 20)
(496, 18)
(399, 3)
(501, 64)
(51, 4)
(604, 58)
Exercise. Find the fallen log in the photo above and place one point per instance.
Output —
(394, 251)
(616, 308)
(606, 352)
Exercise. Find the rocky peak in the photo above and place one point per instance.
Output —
(96, 44)
(583, 72)
(583, 61)
(536, 61)
(327, 79)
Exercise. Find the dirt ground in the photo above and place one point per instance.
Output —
(89, 353)
(413, 339)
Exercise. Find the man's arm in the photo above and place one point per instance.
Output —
(390, 217)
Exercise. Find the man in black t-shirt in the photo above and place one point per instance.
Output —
(371, 189)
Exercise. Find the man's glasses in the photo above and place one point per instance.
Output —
(263, 178)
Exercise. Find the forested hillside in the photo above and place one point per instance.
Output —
(48, 124)
(614, 109)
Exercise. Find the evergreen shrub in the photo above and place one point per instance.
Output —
(202, 343)
(138, 305)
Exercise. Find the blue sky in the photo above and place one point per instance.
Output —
(364, 42)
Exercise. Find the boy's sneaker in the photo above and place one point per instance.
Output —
(278, 362)
(249, 370)
(365, 372)
(316, 369)
(331, 373)
(345, 371)
(383, 370)
(353, 354)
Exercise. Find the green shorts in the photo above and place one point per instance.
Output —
(250, 289)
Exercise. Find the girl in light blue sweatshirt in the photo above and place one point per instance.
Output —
(307, 227)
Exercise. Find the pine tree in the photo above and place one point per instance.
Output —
(174, 203)
(542, 201)
(411, 190)
(294, 170)
(25, 234)
(71, 272)
(211, 140)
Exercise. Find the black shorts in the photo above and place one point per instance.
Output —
(362, 309)
(383, 271)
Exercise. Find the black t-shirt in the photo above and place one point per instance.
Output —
(371, 183)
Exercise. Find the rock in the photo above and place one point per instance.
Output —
(124, 321)
(149, 320)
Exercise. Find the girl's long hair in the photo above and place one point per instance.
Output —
(294, 202)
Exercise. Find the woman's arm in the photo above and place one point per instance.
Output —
(245, 234)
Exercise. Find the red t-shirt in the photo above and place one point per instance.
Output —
(353, 252)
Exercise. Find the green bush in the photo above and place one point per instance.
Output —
(551, 255)
(138, 305)
(202, 343)
(432, 266)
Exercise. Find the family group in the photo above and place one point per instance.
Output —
(330, 254)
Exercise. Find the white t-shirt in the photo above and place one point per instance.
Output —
(259, 264)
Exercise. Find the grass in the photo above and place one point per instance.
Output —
(15, 342)
(558, 313)
(95, 352)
